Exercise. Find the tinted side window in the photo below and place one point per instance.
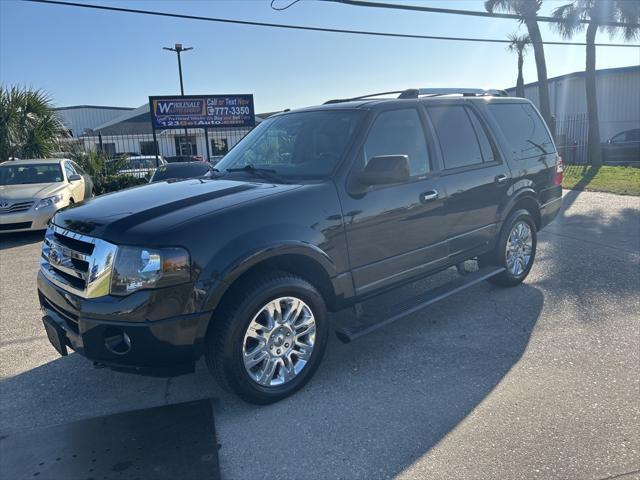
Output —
(621, 137)
(488, 154)
(523, 128)
(399, 132)
(456, 135)
(628, 136)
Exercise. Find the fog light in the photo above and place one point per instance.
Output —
(117, 341)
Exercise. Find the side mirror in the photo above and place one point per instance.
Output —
(75, 178)
(385, 170)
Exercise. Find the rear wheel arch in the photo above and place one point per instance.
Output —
(525, 200)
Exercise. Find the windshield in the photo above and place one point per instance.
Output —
(30, 173)
(305, 144)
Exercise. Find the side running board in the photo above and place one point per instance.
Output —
(362, 325)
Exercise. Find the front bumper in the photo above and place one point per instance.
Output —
(165, 347)
(27, 221)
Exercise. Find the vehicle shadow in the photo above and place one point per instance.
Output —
(18, 239)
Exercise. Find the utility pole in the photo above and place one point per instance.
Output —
(179, 48)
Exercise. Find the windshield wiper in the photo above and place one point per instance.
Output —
(264, 173)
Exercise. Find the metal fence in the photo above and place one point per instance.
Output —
(171, 145)
(194, 142)
(571, 138)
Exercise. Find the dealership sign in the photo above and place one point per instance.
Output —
(202, 111)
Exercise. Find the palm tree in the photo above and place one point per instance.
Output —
(569, 18)
(519, 44)
(528, 10)
(29, 126)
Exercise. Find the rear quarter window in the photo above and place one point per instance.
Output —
(524, 129)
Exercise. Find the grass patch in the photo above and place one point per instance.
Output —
(620, 180)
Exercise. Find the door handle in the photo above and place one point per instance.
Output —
(501, 179)
(428, 196)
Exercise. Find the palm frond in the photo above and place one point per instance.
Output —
(29, 127)
(524, 8)
(518, 43)
(568, 18)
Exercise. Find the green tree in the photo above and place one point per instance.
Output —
(528, 11)
(569, 18)
(519, 44)
(29, 126)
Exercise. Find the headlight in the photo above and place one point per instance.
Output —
(138, 268)
(49, 201)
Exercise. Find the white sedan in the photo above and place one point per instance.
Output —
(31, 191)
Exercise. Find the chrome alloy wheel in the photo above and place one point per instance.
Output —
(278, 342)
(519, 248)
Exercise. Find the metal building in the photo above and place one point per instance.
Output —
(79, 118)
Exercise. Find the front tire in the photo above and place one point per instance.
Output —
(268, 340)
(515, 249)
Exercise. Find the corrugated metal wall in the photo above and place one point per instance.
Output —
(78, 119)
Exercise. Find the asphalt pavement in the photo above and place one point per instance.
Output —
(537, 381)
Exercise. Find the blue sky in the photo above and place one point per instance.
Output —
(102, 58)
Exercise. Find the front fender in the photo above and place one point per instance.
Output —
(234, 260)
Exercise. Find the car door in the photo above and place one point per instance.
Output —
(76, 186)
(475, 176)
(395, 232)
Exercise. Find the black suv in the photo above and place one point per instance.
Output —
(315, 210)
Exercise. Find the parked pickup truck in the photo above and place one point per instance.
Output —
(315, 210)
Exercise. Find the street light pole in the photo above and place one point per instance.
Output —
(179, 48)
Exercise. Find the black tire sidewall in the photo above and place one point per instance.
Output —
(234, 371)
(501, 254)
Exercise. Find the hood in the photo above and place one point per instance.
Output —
(157, 208)
(29, 191)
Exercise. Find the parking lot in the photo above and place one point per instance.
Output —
(537, 381)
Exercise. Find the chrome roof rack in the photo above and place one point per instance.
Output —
(467, 92)
(364, 97)
(431, 92)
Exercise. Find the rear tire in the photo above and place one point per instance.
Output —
(268, 339)
(515, 249)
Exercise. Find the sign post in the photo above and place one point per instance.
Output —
(206, 141)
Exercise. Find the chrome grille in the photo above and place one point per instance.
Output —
(5, 207)
(77, 263)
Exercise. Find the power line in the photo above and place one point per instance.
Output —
(280, 9)
(473, 13)
(303, 27)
